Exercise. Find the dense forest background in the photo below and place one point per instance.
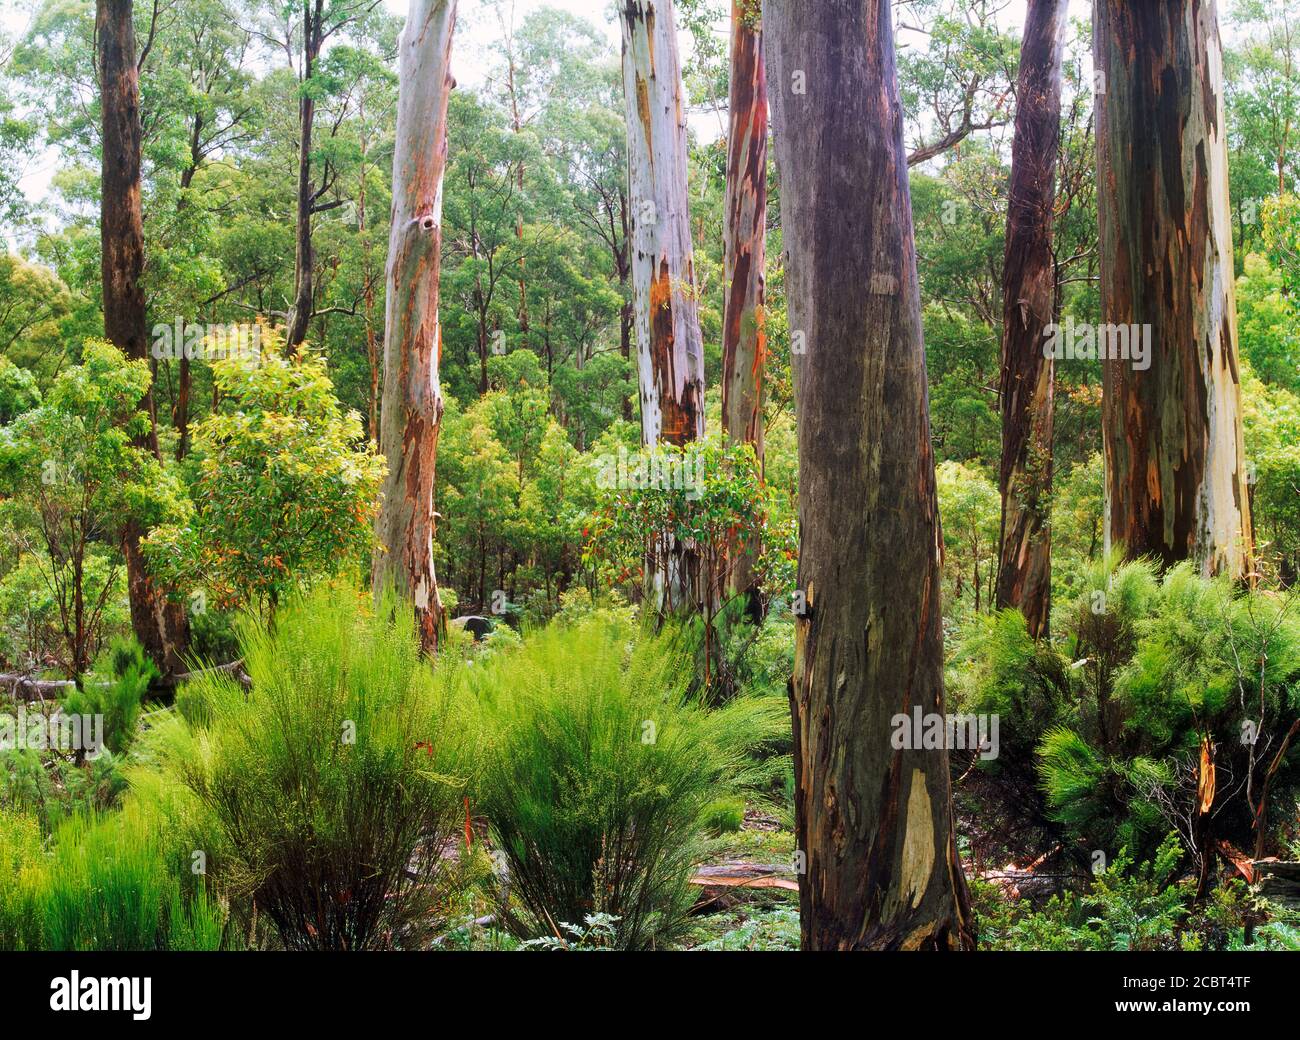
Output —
(268, 132)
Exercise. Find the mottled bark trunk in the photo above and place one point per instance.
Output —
(411, 412)
(1024, 576)
(670, 352)
(159, 624)
(874, 821)
(744, 341)
(1175, 479)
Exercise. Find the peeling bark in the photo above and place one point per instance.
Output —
(875, 822)
(744, 340)
(670, 351)
(411, 412)
(1175, 479)
(159, 625)
(1028, 305)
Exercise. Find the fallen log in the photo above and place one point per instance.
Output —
(25, 686)
(1279, 880)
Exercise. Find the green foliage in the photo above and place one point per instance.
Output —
(71, 474)
(724, 815)
(285, 492)
(111, 886)
(706, 495)
(21, 882)
(758, 926)
(971, 509)
(114, 689)
(52, 787)
(337, 774)
(598, 933)
(598, 772)
(1126, 908)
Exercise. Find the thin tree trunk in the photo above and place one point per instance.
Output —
(744, 341)
(874, 822)
(1024, 577)
(1175, 479)
(670, 351)
(159, 625)
(304, 255)
(411, 413)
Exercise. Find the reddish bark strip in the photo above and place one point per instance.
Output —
(159, 624)
(874, 821)
(670, 351)
(411, 413)
(1028, 305)
(1175, 475)
(744, 341)
(667, 325)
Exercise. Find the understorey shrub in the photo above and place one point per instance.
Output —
(335, 783)
(599, 770)
(22, 875)
(112, 883)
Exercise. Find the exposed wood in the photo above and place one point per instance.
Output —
(411, 412)
(1279, 880)
(1172, 435)
(874, 822)
(1024, 577)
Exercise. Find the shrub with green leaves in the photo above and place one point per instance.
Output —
(336, 782)
(599, 770)
(286, 489)
(114, 689)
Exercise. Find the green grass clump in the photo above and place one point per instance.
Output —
(112, 884)
(598, 768)
(22, 877)
(336, 782)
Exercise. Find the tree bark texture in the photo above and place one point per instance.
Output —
(159, 624)
(1175, 474)
(1028, 306)
(411, 412)
(670, 354)
(874, 822)
(670, 349)
(744, 340)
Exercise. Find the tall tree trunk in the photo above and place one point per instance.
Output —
(670, 351)
(368, 294)
(744, 341)
(304, 255)
(159, 624)
(1175, 479)
(1024, 576)
(518, 126)
(411, 413)
(874, 822)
